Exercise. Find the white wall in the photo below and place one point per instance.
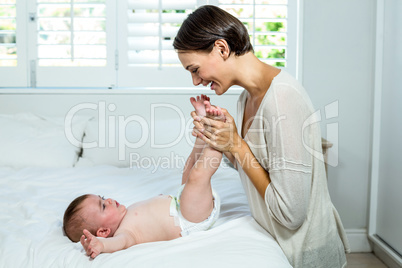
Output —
(338, 66)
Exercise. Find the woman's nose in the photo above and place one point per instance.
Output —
(196, 80)
(109, 201)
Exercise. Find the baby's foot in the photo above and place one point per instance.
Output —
(199, 104)
(214, 111)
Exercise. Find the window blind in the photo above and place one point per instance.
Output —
(8, 40)
(71, 32)
(75, 43)
(152, 26)
(146, 49)
(127, 43)
(13, 42)
(266, 22)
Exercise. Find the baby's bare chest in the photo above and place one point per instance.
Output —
(150, 220)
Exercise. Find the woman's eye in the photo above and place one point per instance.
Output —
(104, 206)
(195, 70)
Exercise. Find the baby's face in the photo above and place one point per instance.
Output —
(106, 213)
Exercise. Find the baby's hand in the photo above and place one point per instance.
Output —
(92, 245)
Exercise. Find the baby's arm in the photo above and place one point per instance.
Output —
(95, 246)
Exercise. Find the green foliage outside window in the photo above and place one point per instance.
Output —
(271, 39)
(273, 26)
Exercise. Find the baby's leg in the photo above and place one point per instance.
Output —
(192, 158)
(196, 201)
(199, 106)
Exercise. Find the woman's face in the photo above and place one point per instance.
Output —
(206, 69)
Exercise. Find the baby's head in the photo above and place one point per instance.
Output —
(100, 216)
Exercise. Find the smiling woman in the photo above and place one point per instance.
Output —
(277, 149)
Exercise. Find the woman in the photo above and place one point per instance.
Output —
(277, 150)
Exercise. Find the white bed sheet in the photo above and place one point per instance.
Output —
(33, 201)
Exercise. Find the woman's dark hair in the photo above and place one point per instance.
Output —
(207, 24)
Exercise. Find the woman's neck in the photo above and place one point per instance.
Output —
(254, 75)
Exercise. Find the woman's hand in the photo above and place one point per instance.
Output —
(197, 124)
(220, 135)
(223, 137)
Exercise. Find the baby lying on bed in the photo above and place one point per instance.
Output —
(104, 225)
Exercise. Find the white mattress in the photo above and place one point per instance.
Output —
(33, 201)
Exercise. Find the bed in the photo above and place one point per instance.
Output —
(40, 174)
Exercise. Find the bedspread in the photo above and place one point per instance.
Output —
(33, 201)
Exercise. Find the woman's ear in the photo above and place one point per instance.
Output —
(103, 232)
(223, 48)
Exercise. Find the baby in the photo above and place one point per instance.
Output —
(105, 225)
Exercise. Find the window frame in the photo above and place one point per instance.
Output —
(82, 76)
(177, 76)
(144, 76)
(8, 75)
(117, 73)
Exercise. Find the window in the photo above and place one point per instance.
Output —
(272, 28)
(266, 22)
(127, 43)
(146, 54)
(71, 33)
(13, 61)
(152, 27)
(75, 43)
(148, 57)
(8, 26)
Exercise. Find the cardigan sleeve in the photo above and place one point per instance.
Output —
(290, 164)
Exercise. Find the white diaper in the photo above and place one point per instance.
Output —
(188, 227)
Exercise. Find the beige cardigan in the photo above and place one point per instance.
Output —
(285, 137)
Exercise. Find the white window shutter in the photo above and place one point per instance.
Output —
(125, 43)
(146, 54)
(75, 43)
(272, 28)
(147, 58)
(152, 26)
(13, 56)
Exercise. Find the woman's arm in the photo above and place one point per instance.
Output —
(223, 136)
(255, 172)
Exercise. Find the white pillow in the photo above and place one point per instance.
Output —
(28, 140)
(99, 148)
